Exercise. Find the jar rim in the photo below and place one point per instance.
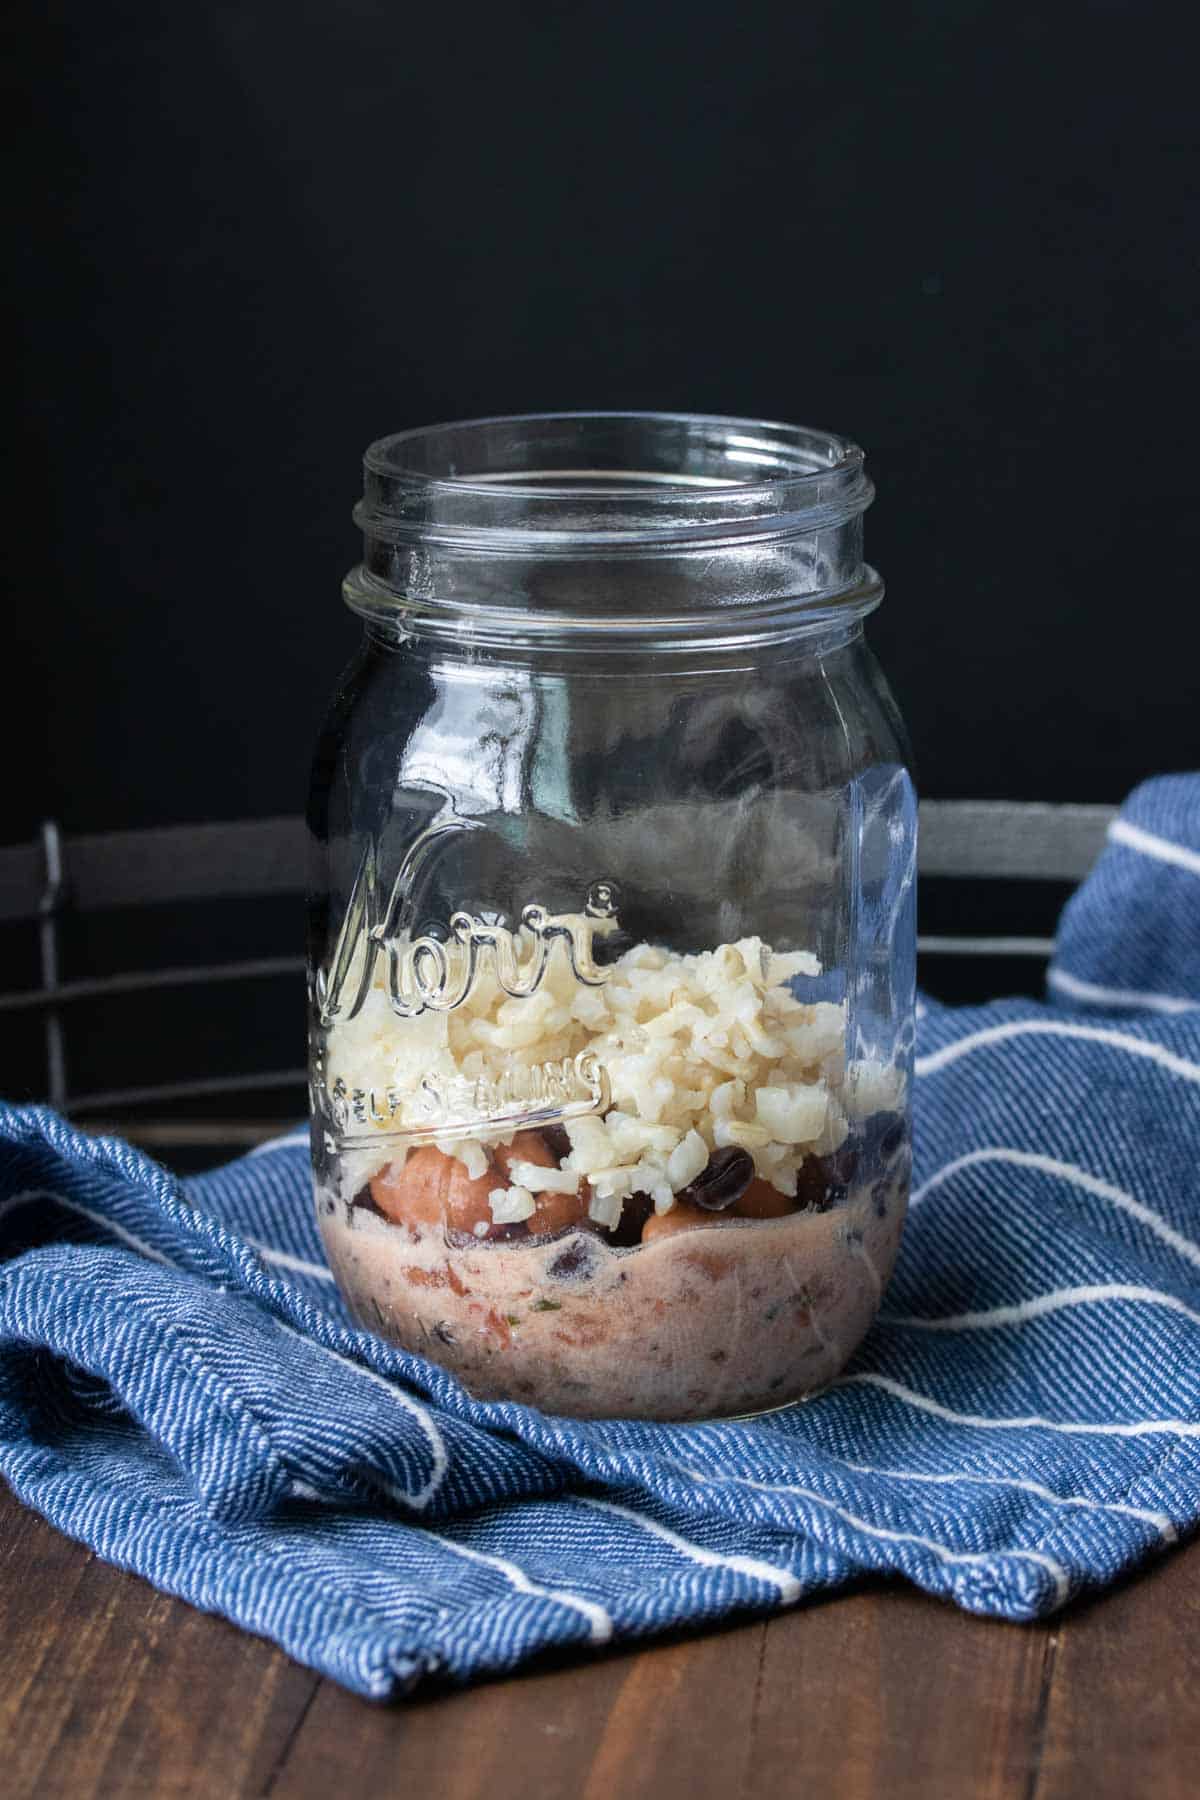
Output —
(788, 456)
(599, 525)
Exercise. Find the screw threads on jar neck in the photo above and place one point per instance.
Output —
(613, 530)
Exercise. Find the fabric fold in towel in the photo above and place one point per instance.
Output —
(181, 1387)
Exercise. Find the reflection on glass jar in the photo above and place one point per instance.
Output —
(612, 939)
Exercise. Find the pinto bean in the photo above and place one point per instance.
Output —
(552, 1212)
(431, 1188)
(683, 1216)
(762, 1201)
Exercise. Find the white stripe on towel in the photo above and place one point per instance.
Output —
(1041, 1304)
(942, 1551)
(1160, 1521)
(789, 1587)
(1186, 1428)
(1095, 1034)
(1091, 1184)
(85, 1212)
(1134, 998)
(1149, 844)
(296, 1264)
(600, 1625)
(424, 1418)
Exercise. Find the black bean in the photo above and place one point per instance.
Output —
(556, 1141)
(366, 1200)
(842, 1166)
(891, 1141)
(813, 1185)
(882, 1134)
(628, 1231)
(576, 1263)
(724, 1179)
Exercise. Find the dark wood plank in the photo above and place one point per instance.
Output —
(881, 1693)
(892, 1693)
(674, 1718)
(1123, 1711)
(109, 1688)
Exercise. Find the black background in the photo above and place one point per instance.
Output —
(250, 238)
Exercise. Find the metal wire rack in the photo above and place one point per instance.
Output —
(54, 877)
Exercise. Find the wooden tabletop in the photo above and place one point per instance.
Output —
(110, 1688)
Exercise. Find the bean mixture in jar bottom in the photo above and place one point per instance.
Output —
(736, 1300)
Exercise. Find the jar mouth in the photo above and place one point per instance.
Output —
(609, 522)
(608, 474)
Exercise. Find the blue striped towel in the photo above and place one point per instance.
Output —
(181, 1389)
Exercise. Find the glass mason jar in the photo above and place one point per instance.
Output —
(612, 926)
